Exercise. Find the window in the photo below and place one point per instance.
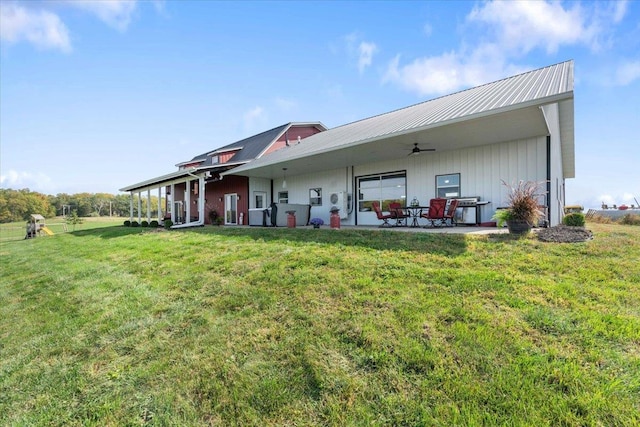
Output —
(315, 196)
(215, 160)
(385, 189)
(260, 198)
(283, 197)
(448, 185)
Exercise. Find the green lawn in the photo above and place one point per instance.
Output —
(249, 326)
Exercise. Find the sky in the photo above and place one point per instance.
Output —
(97, 95)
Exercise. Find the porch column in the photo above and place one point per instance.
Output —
(201, 199)
(187, 200)
(131, 206)
(159, 204)
(148, 205)
(139, 207)
(172, 205)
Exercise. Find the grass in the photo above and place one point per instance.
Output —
(247, 326)
(17, 230)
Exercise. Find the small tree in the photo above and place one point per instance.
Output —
(73, 219)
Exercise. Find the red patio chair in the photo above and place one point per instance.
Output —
(435, 212)
(399, 213)
(383, 217)
(450, 214)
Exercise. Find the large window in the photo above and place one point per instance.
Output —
(384, 188)
(448, 185)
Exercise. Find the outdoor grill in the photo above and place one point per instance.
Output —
(468, 212)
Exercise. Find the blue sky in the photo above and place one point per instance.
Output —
(96, 95)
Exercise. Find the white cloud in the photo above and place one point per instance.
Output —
(366, 51)
(253, 118)
(427, 29)
(362, 51)
(509, 30)
(115, 13)
(446, 73)
(41, 28)
(285, 104)
(521, 26)
(627, 73)
(19, 180)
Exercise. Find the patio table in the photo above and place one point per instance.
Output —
(415, 212)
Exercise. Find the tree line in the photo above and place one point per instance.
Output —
(18, 205)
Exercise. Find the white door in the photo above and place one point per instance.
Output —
(231, 209)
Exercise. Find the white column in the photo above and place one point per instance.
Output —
(187, 200)
(148, 205)
(131, 206)
(159, 204)
(139, 207)
(201, 200)
(172, 204)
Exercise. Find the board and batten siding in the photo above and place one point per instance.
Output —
(481, 169)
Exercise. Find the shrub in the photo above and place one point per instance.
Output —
(135, 224)
(522, 201)
(168, 223)
(574, 220)
(630, 219)
(144, 224)
(127, 223)
(153, 223)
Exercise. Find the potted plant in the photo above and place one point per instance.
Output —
(523, 210)
(316, 222)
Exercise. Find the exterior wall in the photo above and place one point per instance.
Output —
(481, 171)
(556, 187)
(259, 185)
(225, 157)
(216, 190)
(293, 133)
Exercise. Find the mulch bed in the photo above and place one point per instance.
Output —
(564, 234)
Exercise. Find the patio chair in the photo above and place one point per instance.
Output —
(399, 213)
(383, 217)
(435, 214)
(450, 214)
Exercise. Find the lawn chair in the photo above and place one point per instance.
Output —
(450, 214)
(383, 217)
(435, 214)
(400, 214)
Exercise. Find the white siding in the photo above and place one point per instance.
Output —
(481, 170)
(556, 193)
(259, 184)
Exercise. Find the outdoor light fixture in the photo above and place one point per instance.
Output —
(284, 177)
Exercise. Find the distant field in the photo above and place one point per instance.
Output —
(17, 230)
(118, 326)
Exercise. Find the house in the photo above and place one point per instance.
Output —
(197, 189)
(517, 128)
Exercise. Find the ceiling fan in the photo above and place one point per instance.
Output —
(417, 150)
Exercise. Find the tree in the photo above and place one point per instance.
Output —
(73, 219)
(18, 205)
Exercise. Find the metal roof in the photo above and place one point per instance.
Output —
(538, 87)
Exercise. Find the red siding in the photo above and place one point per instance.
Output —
(215, 191)
(224, 157)
(293, 133)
